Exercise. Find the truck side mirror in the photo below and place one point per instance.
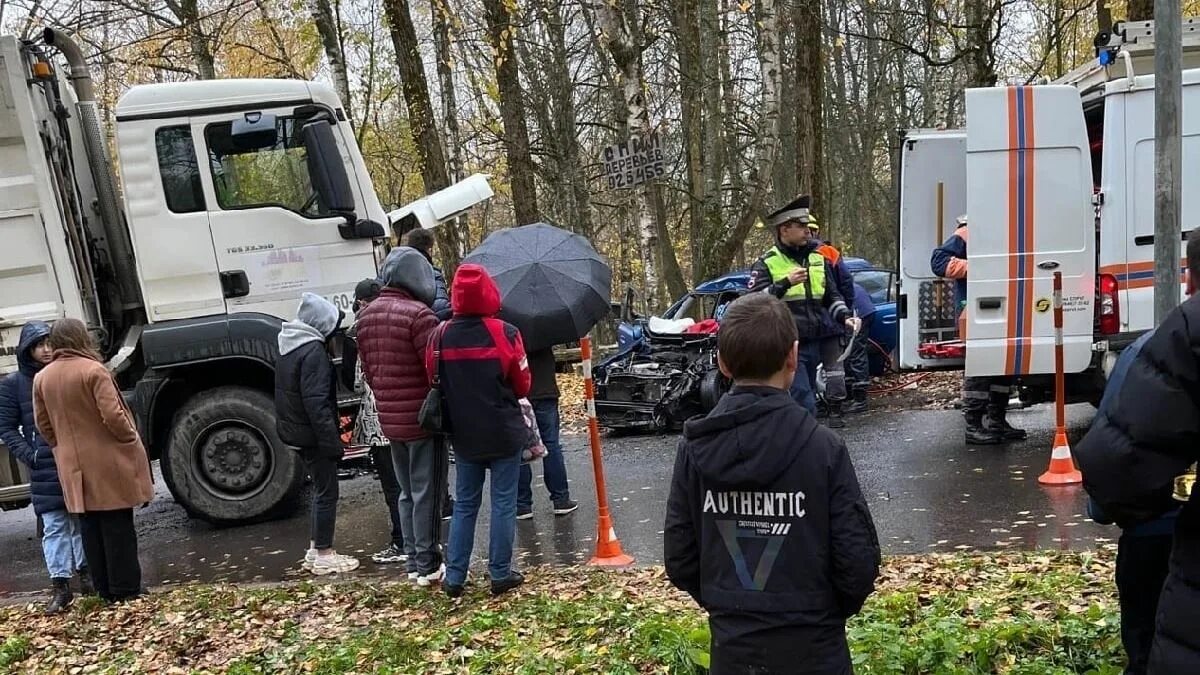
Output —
(361, 229)
(326, 170)
(255, 131)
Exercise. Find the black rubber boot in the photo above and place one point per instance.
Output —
(1007, 432)
(977, 434)
(858, 402)
(836, 421)
(997, 412)
(62, 597)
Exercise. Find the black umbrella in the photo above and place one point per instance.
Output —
(554, 286)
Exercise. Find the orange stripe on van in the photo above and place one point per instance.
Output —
(1010, 352)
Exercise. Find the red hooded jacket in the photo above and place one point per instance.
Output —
(483, 371)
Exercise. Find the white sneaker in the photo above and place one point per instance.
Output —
(432, 578)
(310, 557)
(331, 564)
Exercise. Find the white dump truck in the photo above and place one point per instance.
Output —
(235, 197)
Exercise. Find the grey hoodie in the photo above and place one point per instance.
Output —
(407, 269)
(316, 319)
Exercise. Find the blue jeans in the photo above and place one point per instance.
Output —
(554, 469)
(468, 487)
(804, 386)
(62, 544)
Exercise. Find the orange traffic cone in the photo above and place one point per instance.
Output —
(608, 547)
(1062, 469)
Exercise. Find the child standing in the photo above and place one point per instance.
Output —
(766, 526)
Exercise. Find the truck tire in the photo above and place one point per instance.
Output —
(224, 462)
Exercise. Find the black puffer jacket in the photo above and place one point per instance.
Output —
(305, 384)
(768, 530)
(1130, 458)
(17, 428)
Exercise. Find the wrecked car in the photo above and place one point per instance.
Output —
(661, 376)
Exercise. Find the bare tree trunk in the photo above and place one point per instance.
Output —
(512, 111)
(617, 36)
(1141, 10)
(566, 127)
(331, 42)
(810, 95)
(767, 150)
(420, 117)
(188, 13)
(687, 31)
(983, 16)
(1104, 20)
(441, 38)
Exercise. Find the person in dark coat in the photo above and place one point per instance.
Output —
(858, 364)
(767, 528)
(481, 364)
(307, 419)
(833, 334)
(797, 273)
(393, 334)
(1133, 453)
(1143, 550)
(62, 541)
(543, 396)
(367, 430)
(985, 399)
(422, 240)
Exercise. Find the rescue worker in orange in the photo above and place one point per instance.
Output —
(985, 399)
(833, 333)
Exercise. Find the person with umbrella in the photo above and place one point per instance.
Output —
(555, 287)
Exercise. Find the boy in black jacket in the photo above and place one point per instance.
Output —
(767, 528)
(306, 418)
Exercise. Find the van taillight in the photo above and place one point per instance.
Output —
(1109, 305)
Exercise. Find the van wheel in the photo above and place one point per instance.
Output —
(224, 462)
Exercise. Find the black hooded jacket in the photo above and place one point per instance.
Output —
(1130, 457)
(17, 429)
(767, 529)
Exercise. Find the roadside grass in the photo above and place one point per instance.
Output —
(1006, 612)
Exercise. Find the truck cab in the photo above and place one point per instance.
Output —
(236, 197)
(1056, 178)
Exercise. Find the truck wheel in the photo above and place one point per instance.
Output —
(225, 463)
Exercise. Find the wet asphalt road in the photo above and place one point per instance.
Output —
(926, 491)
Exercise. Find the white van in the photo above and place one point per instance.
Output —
(1055, 178)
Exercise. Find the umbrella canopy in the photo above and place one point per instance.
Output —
(554, 286)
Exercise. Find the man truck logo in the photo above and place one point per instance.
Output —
(1042, 305)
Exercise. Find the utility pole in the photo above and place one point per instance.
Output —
(1168, 154)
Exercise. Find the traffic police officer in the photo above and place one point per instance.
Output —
(796, 272)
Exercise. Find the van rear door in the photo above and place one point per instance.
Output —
(1029, 199)
(933, 192)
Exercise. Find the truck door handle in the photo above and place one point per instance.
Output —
(235, 284)
(1048, 265)
(990, 303)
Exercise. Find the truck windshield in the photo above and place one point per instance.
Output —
(275, 175)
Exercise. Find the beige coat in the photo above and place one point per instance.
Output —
(79, 410)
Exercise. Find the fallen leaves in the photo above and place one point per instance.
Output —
(563, 620)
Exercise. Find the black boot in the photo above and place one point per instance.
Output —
(999, 426)
(977, 434)
(858, 403)
(62, 597)
(835, 416)
(85, 583)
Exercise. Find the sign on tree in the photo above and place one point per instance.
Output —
(634, 162)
